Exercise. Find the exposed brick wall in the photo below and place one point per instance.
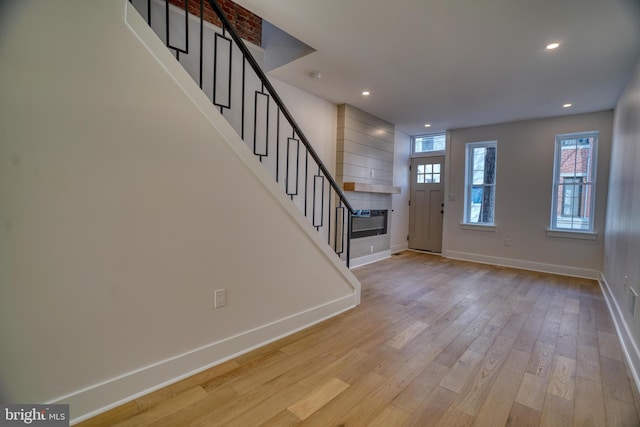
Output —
(248, 25)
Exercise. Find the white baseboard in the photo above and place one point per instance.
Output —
(525, 265)
(368, 259)
(629, 345)
(98, 398)
(418, 251)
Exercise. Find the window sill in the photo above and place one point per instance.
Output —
(428, 154)
(580, 235)
(479, 227)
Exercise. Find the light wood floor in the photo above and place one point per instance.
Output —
(435, 342)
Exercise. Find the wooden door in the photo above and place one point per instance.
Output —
(427, 203)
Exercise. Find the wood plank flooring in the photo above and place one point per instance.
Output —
(435, 342)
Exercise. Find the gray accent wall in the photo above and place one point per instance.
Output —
(365, 154)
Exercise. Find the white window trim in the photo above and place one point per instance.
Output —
(467, 184)
(575, 234)
(479, 227)
(429, 153)
(553, 231)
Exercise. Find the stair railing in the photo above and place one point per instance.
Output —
(260, 117)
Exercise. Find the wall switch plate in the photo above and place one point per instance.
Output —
(219, 298)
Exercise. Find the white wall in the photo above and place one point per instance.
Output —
(523, 197)
(316, 117)
(400, 202)
(622, 230)
(125, 200)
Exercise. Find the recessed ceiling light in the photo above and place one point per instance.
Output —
(366, 93)
(552, 46)
(567, 105)
(427, 125)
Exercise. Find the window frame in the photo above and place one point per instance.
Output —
(468, 181)
(558, 176)
(429, 170)
(415, 153)
(575, 204)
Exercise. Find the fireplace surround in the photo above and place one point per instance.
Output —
(365, 222)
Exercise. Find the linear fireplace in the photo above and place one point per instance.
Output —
(367, 222)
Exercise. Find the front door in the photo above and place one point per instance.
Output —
(427, 203)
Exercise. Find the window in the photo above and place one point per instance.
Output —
(574, 182)
(572, 196)
(428, 173)
(480, 188)
(429, 143)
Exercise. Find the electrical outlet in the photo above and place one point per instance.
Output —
(219, 298)
(371, 248)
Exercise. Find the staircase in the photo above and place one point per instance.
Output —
(225, 69)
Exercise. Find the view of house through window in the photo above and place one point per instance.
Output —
(428, 143)
(574, 181)
(480, 188)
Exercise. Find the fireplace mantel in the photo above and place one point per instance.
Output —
(370, 188)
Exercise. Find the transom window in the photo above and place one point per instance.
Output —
(428, 173)
(429, 143)
(574, 182)
(480, 188)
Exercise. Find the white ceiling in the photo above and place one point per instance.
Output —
(460, 63)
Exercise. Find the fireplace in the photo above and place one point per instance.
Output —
(365, 222)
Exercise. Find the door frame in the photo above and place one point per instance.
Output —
(448, 197)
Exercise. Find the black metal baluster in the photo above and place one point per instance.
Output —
(186, 30)
(306, 180)
(329, 218)
(264, 131)
(244, 61)
(201, 39)
(288, 174)
(278, 146)
(318, 181)
(166, 21)
(219, 40)
(338, 231)
(348, 256)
